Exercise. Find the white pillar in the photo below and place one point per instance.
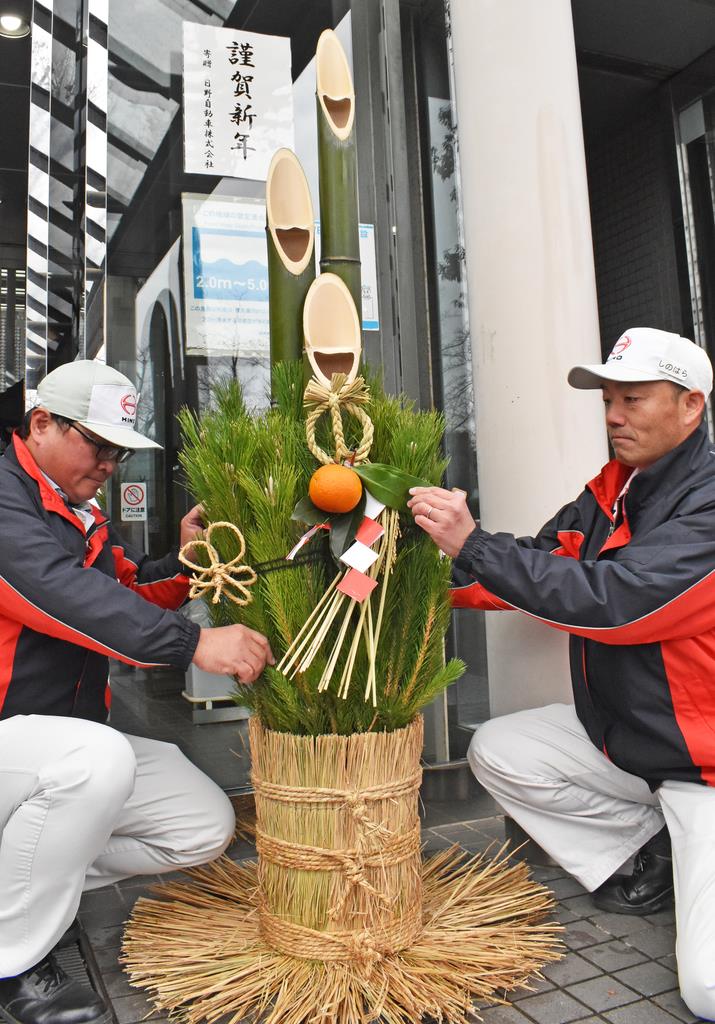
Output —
(532, 297)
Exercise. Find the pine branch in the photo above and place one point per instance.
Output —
(251, 470)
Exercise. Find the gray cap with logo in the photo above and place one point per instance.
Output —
(97, 397)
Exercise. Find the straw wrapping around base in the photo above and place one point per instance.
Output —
(367, 946)
(394, 849)
(338, 840)
(200, 951)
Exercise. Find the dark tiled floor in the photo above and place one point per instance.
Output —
(619, 970)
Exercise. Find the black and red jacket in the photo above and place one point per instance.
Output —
(71, 598)
(637, 596)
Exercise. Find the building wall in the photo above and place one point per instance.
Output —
(630, 175)
(532, 297)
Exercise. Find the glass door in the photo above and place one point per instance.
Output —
(432, 141)
(696, 124)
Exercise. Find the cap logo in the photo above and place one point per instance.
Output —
(619, 348)
(112, 404)
(128, 403)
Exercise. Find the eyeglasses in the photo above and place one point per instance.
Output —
(105, 452)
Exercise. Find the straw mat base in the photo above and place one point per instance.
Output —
(199, 951)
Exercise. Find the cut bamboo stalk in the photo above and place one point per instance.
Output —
(333, 341)
(290, 234)
(324, 624)
(346, 677)
(306, 629)
(337, 162)
(330, 667)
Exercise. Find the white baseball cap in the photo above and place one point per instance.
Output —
(644, 353)
(98, 398)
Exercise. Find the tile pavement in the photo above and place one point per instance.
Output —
(618, 970)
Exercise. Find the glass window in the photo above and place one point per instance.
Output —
(433, 135)
(145, 338)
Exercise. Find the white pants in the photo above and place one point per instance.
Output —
(82, 806)
(590, 817)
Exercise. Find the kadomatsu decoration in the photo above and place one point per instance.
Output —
(339, 920)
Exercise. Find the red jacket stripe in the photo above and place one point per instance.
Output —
(8, 644)
(477, 596)
(25, 613)
(170, 592)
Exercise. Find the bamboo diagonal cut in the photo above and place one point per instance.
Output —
(290, 233)
(337, 163)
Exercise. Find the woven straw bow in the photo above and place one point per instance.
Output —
(224, 578)
(350, 395)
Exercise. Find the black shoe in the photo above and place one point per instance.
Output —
(650, 886)
(44, 994)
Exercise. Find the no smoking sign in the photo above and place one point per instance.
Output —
(133, 502)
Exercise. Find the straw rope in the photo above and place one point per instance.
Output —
(353, 798)
(342, 394)
(365, 947)
(395, 849)
(221, 577)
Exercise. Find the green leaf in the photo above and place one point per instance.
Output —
(306, 512)
(344, 527)
(388, 484)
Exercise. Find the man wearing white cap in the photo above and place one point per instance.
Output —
(81, 805)
(628, 570)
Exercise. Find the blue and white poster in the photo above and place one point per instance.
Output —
(368, 274)
(225, 276)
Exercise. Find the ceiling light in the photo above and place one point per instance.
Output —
(13, 27)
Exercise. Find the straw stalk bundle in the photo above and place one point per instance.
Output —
(340, 922)
(201, 950)
(338, 839)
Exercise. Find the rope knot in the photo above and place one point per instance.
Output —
(345, 395)
(364, 949)
(228, 579)
(354, 871)
(357, 805)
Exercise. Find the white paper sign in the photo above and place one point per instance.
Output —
(225, 276)
(238, 100)
(133, 502)
(368, 274)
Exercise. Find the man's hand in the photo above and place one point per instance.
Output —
(190, 527)
(233, 651)
(443, 515)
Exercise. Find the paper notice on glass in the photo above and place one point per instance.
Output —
(225, 276)
(238, 100)
(368, 274)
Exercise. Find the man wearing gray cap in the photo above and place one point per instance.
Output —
(81, 805)
(628, 570)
